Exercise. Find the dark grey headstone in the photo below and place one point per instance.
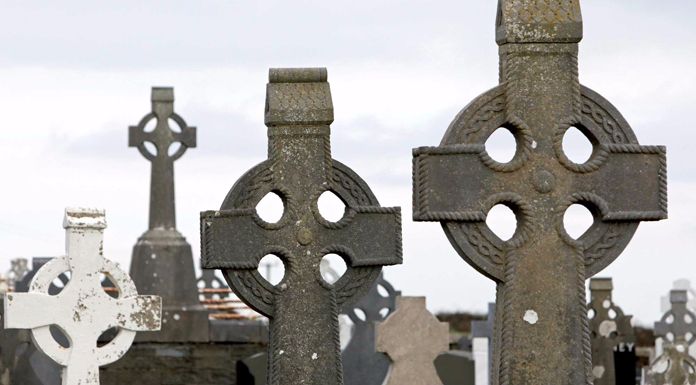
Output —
(455, 368)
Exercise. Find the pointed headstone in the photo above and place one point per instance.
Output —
(362, 364)
(162, 263)
(677, 328)
(302, 309)
(611, 334)
(542, 331)
(82, 309)
(412, 338)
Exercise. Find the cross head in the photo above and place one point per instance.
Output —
(362, 364)
(540, 272)
(170, 129)
(412, 338)
(610, 329)
(303, 308)
(82, 309)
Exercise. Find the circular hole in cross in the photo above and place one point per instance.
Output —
(576, 146)
(331, 207)
(174, 126)
(272, 269)
(59, 336)
(382, 291)
(270, 208)
(173, 148)
(384, 312)
(332, 267)
(688, 319)
(669, 320)
(501, 145)
(612, 314)
(591, 313)
(109, 286)
(577, 219)
(59, 283)
(502, 221)
(360, 313)
(151, 125)
(107, 336)
(151, 148)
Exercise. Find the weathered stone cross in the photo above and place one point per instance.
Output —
(678, 331)
(82, 309)
(610, 329)
(162, 262)
(413, 338)
(303, 308)
(542, 327)
(362, 364)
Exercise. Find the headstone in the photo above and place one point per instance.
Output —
(412, 338)
(482, 346)
(362, 364)
(303, 309)
(19, 267)
(666, 305)
(678, 330)
(456, 367)
(542, 331)
(82, 310)
(162, 263)
(612, 337)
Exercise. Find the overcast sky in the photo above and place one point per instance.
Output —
(75, 74)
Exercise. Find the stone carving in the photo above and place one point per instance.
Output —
(677, 328)
(413, 338)
(162, 263)
(303, 309)
(362, 364)
(610, 331)
(82, 310)
(542, 331)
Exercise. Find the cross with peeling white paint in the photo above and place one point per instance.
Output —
(82, 310)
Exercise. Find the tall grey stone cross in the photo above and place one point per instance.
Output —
(303, 308)
(162, 263)
(542, 334)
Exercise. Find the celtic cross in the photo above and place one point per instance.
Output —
(82, 309)
(303, 308)
(542, 331)
(162, 262)
(677, 328)
(162, 157)
(610, 330)
(362, 364)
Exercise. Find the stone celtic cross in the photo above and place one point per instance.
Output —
(303, 308)
(610, 330)
(677, 328)
(82, 309)
(542, 327)
(162, 262)
(362, 364)
(413, 338)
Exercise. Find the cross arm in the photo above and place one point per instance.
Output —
(140, 313)
(450, 183)
(629, 184)
(233, 239)
(370, 236)
(30, 310)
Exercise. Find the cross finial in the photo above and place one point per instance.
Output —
(538, 21)
(164, 137)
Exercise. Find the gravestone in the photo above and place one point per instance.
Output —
(677, 328)
(302, 309)
(482, 346)
(542, 331)
(456, 367)
(412, 338)
(19, 267)
(162, 263)
(362, 364)
(82, 310)
(612, 337)
(666, 305)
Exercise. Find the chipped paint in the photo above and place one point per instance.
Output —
(531, 317)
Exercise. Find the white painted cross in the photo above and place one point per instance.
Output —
(82, 310)
(412, 338)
